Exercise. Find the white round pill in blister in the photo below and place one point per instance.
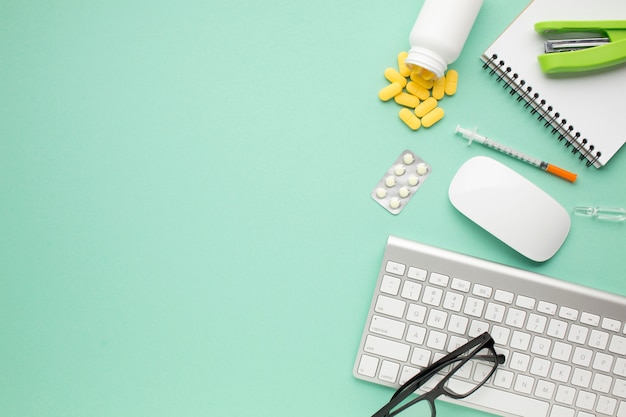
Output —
(413, 180)
(390, 181)
(404, 192)
(422, 168)
(394, 203)
(381, 192)
(408, 158)
(399, 170)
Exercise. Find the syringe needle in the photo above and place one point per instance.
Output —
(471, 136)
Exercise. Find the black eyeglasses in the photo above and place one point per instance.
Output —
(471, 365)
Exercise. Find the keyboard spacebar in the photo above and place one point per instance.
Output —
(502, 401)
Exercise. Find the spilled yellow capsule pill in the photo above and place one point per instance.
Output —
(439, 88)
(432, 117)
(403, 68)
(395, 77)
(417, 90)
(409, 119)
(425, 107)
(407, 100)
(452, 79)
(428, 84)
(389, 92)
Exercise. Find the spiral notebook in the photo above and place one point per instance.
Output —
(585, 110)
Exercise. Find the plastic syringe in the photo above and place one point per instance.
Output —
(471, 136)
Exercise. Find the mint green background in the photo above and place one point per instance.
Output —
(185, 220)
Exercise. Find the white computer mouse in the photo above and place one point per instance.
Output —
(510, 207)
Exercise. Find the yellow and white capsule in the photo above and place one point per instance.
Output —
(425, 107)
(432, 117)
(410, 119)
(452, 79)
(394, 76)
(390, 91)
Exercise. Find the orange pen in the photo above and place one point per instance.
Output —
(471, 136)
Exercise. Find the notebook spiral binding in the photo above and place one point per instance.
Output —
(543, 110)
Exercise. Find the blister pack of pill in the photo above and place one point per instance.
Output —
(401, 181)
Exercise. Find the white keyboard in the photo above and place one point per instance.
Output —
(565, 345)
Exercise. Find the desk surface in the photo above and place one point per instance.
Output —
(185, 212)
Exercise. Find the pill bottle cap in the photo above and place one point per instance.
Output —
(427, 59)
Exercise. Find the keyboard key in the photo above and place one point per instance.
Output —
(515, 318)
(439, 279)
(453, 301)
(568, 313)
(524, 384)
(432, 296)
(395, 268)
(618, 345)
(546, 308)
(525, 302)
(416, 313)
(411, 290)
(606, 406)
(460, 285)
(557, 328)
(561, 372)
(390, 306)
(560, 411)
(503, 296)
(598, 339)
(577, 334)
(590, 319)
(417, 273)
(500, 335)
(482, 291)
(387, 327)
(495, 312)
(520, 340)
(368, 365)
(545, 389)
(619, 390)
(389, 371)
(536, 323)
(620, 367)
(458, 324)
(540, 367)
(581, 377)
(562, 351)
(387, 348)
(390, 285)
(565, 395)
(602, 383)
(602, 362)
(610, 324)
(420, 357)
(437, 319)
(436, 340)
(582, 356)
(416, 334)
(541, 346)
(474, 307)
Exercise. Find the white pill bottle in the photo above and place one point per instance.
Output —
(440, 32)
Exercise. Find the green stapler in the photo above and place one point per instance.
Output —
(582, 54)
